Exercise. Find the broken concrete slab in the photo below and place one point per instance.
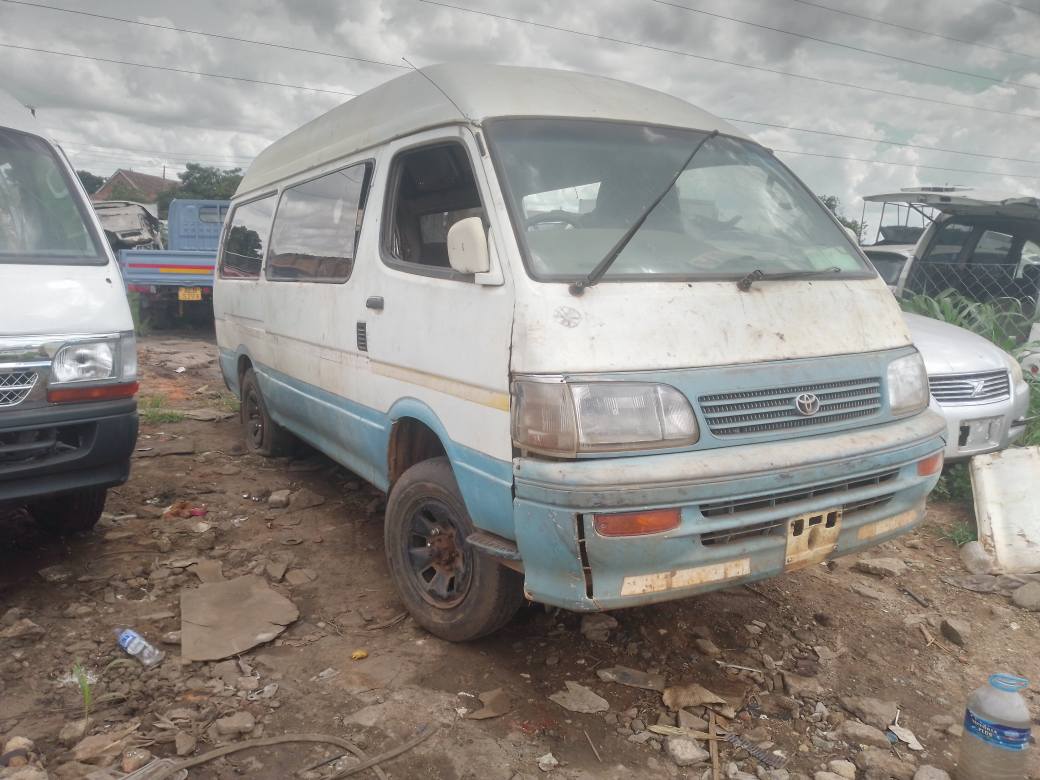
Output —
(496, 703)
(879, 714)
(633, 678)
(305, 499)
(1027, 597)
(578, 698)
(1006, 512)
(208, 415)
(881, 567)
(222, 619)
(976, 559)
(957, 631)
(596, 627)
(209, 570)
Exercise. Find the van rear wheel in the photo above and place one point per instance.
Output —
(263, 435)
(449, 588)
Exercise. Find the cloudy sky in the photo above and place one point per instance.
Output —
(966, 80)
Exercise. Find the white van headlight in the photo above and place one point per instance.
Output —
(907, 384)
(108, 359)
(556, 417)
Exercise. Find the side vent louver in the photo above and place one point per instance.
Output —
(362, 337)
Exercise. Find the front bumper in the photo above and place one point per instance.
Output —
(60, 449)
(735, 503)
(975, 429)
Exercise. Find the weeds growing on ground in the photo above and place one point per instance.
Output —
(153, 410)
(85, 689)
(954, 485)
(960, 534)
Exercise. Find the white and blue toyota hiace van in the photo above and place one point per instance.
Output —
(600, 348)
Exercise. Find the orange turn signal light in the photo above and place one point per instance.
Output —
(65, 395)
(931, 465)
(652, 521)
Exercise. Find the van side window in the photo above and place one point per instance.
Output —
(244, 246)
(430, 190)
(212, 214)
(317, 227)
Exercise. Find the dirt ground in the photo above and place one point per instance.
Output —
(810, 642)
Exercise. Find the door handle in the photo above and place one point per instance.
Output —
(375, 302)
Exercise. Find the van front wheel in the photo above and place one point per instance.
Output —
(450, 589)
(263, 435)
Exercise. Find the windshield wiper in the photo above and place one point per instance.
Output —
(604, 265)
(759, 275)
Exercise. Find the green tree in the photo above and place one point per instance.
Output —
(833, 202)
(202, 182)
(91, 181)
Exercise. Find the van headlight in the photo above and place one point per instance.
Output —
(556, 417)
(907, 385)
(111, 359)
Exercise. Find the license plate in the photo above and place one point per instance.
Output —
(189, 293)
(979, 433)
(812, 538)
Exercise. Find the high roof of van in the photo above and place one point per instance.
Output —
(411, 103)
(16, 116)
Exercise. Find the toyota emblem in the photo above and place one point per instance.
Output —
(807, 404)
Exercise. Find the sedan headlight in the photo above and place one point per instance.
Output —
(111, 359)
(562, 418)
(1015, 368)
(907, 385)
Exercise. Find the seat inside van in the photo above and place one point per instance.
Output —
(433, 189)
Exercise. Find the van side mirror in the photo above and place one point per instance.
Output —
(468, 247)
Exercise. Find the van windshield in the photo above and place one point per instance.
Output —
(575, 186)
(41, 218)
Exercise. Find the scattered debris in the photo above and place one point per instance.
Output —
(279, 499)
(359, 655)
(690, 695)
(221, 619)
(881, 567)
(976, 559)
(1027, 597)
(957, 631)
(596, 626)
(633, 678)
(208, 415)
(685, 751)
(578, 698)
(496, 703)
(1003, 485)
(548, 762)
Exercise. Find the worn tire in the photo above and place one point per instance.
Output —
(262, 434)
(69, 513)
(486, 594)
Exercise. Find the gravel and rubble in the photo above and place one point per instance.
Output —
(811, 670)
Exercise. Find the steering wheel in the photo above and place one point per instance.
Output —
(553, 216)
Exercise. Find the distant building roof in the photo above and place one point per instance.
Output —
(145, 188)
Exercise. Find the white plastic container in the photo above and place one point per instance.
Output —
(996, 731)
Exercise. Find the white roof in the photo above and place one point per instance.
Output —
(16, 116)
(411, 103)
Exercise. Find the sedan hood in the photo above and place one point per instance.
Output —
(948, 349)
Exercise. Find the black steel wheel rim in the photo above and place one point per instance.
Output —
(254, 419)
(438, 559)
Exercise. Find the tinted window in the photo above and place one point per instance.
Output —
(244, 246)
(946, 247)
(41, 217)
(992, 248)
(317, 227)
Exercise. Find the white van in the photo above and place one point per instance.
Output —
(68, 360)
(600, 348)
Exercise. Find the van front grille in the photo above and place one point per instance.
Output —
(772, 409)
(737, 507)
(970, 388)
(15, 386)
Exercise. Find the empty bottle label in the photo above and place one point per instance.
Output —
(996, 734)
(126, 638)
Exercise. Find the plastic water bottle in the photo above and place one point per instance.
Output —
(136, 645)
(996, 731)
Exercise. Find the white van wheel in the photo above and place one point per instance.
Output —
(263, 435)
(451, 590)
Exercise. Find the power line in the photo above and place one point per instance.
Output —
(187, 155)
(683, 53)
(905, 165)
(1019, 7)
(846, 46)
(917, 30)
(175, 70)
(882, 141)
(207, 34)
